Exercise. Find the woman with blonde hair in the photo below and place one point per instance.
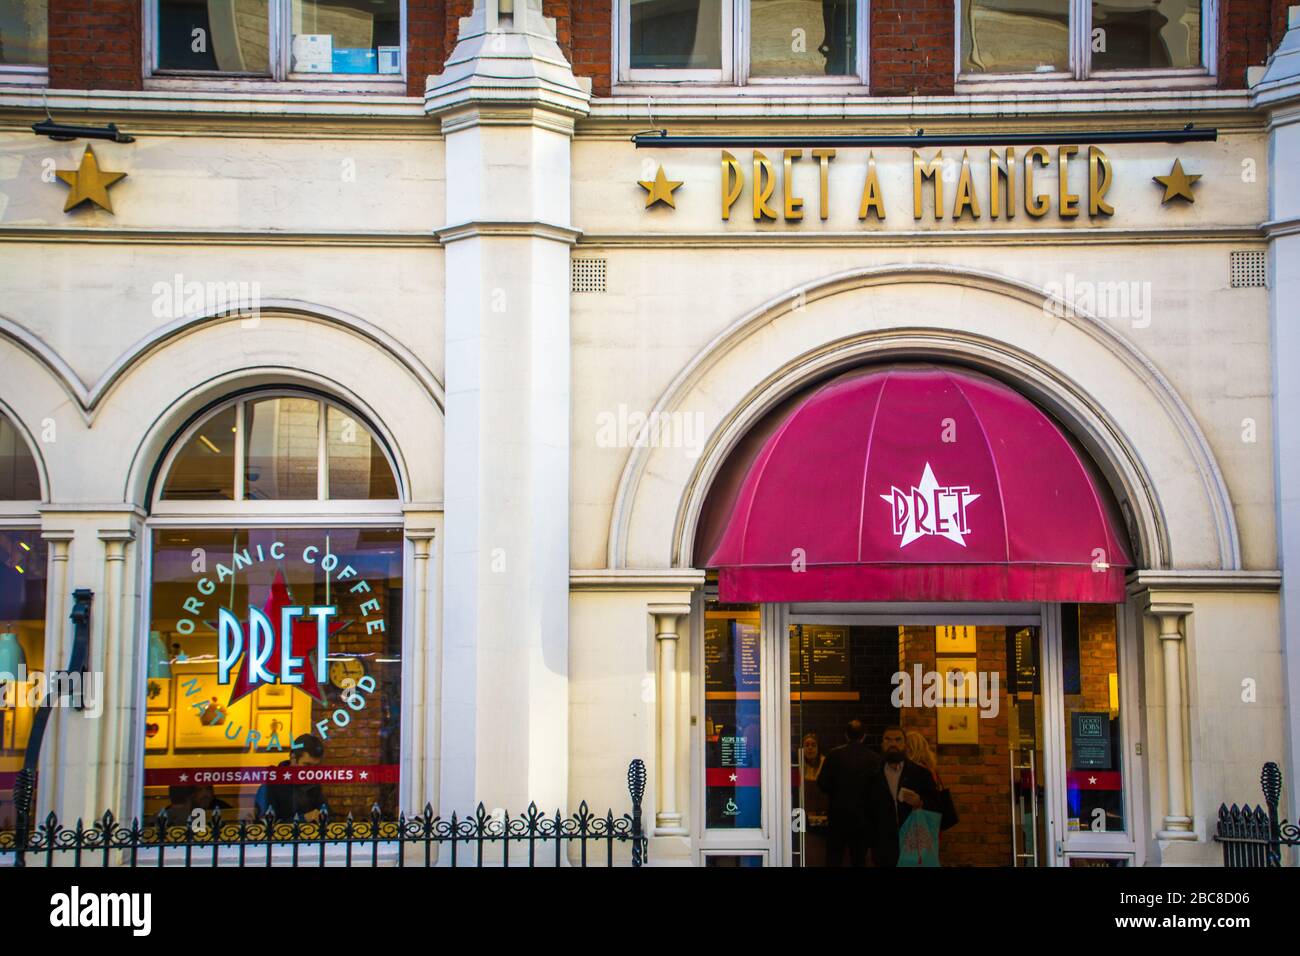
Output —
(919, 752)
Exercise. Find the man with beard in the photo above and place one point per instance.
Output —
(844, 779)
(895, 789)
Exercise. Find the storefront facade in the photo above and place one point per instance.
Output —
(493, 449)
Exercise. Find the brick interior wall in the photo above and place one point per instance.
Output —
(977, 774)
(95, 44)
(362, 741)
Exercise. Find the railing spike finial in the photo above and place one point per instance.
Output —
(636, 779)
(1270, 781)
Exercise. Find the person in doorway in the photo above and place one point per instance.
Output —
(814, 801)
(897, 787)
(296, 801)
(919, 752)
(844, 779)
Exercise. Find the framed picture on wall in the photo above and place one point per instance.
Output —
(204, 718)
(158, 693)
(157, 733)
(954, 639)
(274, 697)
(959, 680)
(959, 725)
(278, 724)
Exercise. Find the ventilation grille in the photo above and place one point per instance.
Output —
(1249, 269)
(588, 275)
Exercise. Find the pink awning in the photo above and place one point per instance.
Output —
(917, 483)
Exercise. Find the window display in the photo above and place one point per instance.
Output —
(732, 719)
(274, 668)
(22, 652)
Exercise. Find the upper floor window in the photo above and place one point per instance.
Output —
(1075, 39)
(781, 41)
(279, 39)
(23, 34)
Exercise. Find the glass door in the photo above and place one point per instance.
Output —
(966, 704)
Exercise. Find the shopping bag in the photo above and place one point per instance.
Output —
(918, 839)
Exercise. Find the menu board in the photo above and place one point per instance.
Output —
(731, 664)
(827, 649)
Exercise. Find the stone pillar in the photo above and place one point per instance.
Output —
(420, 785)
(116, 659)
(1278, 93)
(668, 818)
(89, 757)
(1177, 824)
(507, 102)
(58, 644)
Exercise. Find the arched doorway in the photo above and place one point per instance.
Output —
(912, 647)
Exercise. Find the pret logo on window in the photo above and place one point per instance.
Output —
(274, 672)
(930, 509)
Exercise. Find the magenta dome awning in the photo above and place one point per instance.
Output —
(917, 483)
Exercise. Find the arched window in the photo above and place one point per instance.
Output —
(23, 566)
(274, 651)
(278, 448)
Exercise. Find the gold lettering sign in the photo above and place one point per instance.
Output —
(929, 196)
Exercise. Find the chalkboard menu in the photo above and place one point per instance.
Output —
(823, 659)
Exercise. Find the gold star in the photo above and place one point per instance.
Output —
(659, 189)
(89, 183)
(1178, 184)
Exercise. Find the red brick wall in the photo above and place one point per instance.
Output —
(95, 44)
(426, 47)
(1245, 38)
(911, 47)
(591, 49)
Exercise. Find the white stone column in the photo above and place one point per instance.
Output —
(1278, 92)
(507, 102)
(58, 644)
(1177, 824)
(116, 658)
(668, 819)
(421, 784)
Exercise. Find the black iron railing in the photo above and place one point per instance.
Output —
(1253, 836)
(531, 839)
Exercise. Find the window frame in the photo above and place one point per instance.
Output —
(280, 77)
(735, 69)
(418, 635)
(269, 511)
(29, 74)
(1080, 74)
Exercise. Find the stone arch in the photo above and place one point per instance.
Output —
(161, 380)
(1114, 400)
(186, 372)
